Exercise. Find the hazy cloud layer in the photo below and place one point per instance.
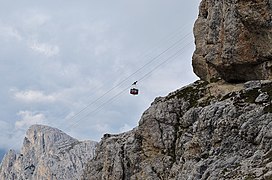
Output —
(31, 96)
(29, 118)
(58, 57)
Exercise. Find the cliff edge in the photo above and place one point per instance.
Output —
(202, 131)
(219, 127)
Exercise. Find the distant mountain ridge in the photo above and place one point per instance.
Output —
(47, 153)
(219, 127)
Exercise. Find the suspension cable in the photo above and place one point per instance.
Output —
(173, 56)
(125, 79)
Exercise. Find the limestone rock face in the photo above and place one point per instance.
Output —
(202, 131)
(48, 154)
(233, 40)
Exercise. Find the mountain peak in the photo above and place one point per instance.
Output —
(47, 153)
(46, 139)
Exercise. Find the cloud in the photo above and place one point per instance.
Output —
(31, 96)
(35, 19)
(12, 137)
(101, 49)
(45, 49)
(9, 137)
(5, 134)
(94, 47)
(5, 126)
(125, 128)
(29, 118)
(10, 33)
(102, 127)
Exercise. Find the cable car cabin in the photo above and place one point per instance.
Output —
(134, 91)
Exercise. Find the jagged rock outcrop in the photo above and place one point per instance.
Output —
(207, 130)
(47, 154)
(202, 131)
(233, 40)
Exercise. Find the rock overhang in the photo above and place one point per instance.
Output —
(233, 40)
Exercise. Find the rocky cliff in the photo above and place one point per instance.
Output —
(211, 129)
(233, 40)
(219, 127)
(202, 131)
(47, 154)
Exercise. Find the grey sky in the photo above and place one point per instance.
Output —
(57, 57)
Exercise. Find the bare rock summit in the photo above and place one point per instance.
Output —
(204, 131)
(48, 154)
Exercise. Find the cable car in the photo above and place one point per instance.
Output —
(134, 91)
